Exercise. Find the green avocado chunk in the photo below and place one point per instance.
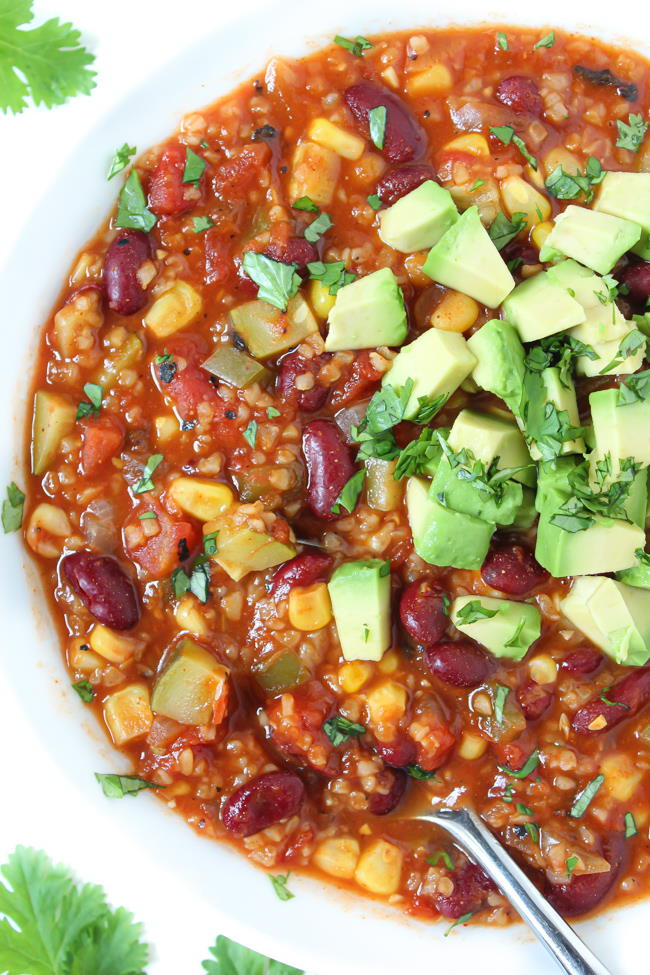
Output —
(612, 615)
(419, 219)
(468, 497)
(627, 195)
(493, 438)
(621, 430)
(436, 361)
(367, 313)
(595, 239)
(499, 362)
(505, 627)
(360, 594)
(442, 536)
(563, 397)
(539, 307)
(466, 260)
(638, 575)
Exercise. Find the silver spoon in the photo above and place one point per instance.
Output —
(558, 937)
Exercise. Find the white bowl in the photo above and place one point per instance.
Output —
(320, 929)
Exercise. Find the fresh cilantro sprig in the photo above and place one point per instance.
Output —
(277, 282)
(607, 496)
(634, 388)
(559, 351)
(46, 63)
(230, 958)
(52, 925)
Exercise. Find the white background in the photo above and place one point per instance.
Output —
(130, 38)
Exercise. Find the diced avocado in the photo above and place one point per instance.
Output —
(466, 496)
(53, 419)
(603, 323)
(281, 672)
(368, 312)
(581, 283)
(563, 397)
(499, 361)
(627, 195)
(527, 513)
(419, 219)
(489, 437)
(442, 536)
(553, 483)
(241, 550)
(607, 545)
(131, 350)
(638, 575)
(235, 367)
(437, 362)
(267, 331)
(360, 593)
(620, 431)
(505, 627)
(466, 259)
(539, 307)
(593, 238)
(189, 685)
(614, 359)
(612, 615)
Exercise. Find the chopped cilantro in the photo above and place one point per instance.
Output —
(463, 919)
(421, 774)
(547, 41)
(85, 690)
(506, 134)
(502, 41)
(271, 412)
(500, 696)
(339, 729)
(210, 543)
(634, 388)
(439, 855)
(332, 276)
(12, 509)
(374, 201)
(565, 186)
(529, 766)
(356, 47)
(571, 864)
(147, 515)
(349, 495)
(630, 826)
(146, 481)
(318, 227)
(629, 346)
(279, 884)
(194, 166)
(250, 433)
(583, 799)
(377, 124)
(118, 786)
(305, 203)
(473, 611)
(502, 230)
(132, 209)
(277, 282)
(631, 133)
(92, 408)
(121, 160)
(201, 224)
(477, 185)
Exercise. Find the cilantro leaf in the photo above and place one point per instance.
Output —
(194, 166)
(421, 774)
(349, 495)
(356, 47)
(231, 958)
(630, 345)
(565, 186)
(571, 864)
(502, 41)
(529, 766)
(583, 800)
(250, 433)
(121, 160)
(502, 230)
(92, 408)
(277, 282)
(473, 611)
(439, 855)
(506, 134)
(12, 509)
(146, 481)
(201, 224)
(318, 227)
(500, 697)
(118, 786)
(332, 276)
(45, 63)
(377, 124)
(374, 201)
(54, 926)
(279, 884)
(634, 388)
(132, 211)
(419, 456)
(547, 41)
(631, 133)
(339, 730)
(85, 690)
(463, 919)
(305, 203)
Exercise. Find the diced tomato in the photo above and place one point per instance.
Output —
(240, 172)
(102, 438)
(357, 382)
(189, 384)
(160, 553)
(218, 257)
(168, 195)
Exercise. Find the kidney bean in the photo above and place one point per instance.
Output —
(104, 587)
(296, 250)
(637, 278)
(329, 466)
(583, 892)
(303, 570)
(124, 258)
(404, 140)
(422, 612)
(627, 697)
(396, 183)
(521, 94)
(585, 660)
(460, 663)
(512, 569)
(399, 753)
(263, 801)
(381, 803)
(471, 887)
(294, 365)
(534, 700)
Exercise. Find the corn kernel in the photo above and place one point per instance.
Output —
(543, 669)
(201, 498)
(188, 616)
(337, 856)
(84, 661)
(472, 746)
(560, 156)
(128, 713)
(352, 676)
(413, 265)
(455, 313)
(110, 645)
(320, 299)
(343, 143)
(386, 702)
(472, 142)
(379, 869)
(540, 232)
(436, 80)
(314, 173)
(48, 530)
(389, 662)
(166, 428)
(390, 77)
(174, 309)
(310, 607)
(520, 197)
(622, 777)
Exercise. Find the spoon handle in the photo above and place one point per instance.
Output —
(556, 935)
